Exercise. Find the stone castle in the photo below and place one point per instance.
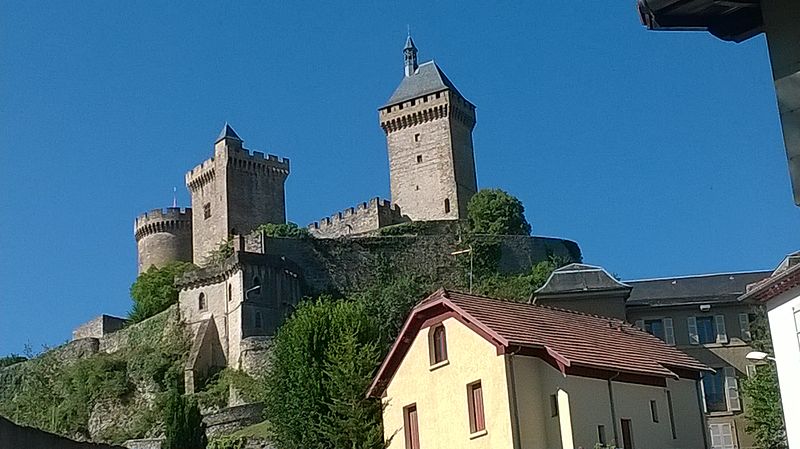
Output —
(232, 307)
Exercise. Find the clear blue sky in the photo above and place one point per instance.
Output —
(660, 153)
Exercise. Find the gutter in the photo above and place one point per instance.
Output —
(513, 398)
(613, 409)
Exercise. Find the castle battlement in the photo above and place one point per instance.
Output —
(201, 174)
(367, 216)
(244, 158)
(162, 220)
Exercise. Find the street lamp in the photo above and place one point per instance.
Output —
(464, 251)
(758, 356)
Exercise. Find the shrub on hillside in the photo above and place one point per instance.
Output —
(154, 290)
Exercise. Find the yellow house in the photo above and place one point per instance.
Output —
(474, 372)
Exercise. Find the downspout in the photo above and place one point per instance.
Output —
(613, 410)
(701, 406)
(512, 385)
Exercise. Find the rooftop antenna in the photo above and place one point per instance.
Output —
(174, 197)
(408, 29)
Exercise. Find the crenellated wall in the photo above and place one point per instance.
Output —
(163, 236)
(234, 192)
(367, 216)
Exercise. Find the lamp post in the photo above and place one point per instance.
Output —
(758, 356)
(464, 251)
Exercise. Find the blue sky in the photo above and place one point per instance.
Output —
(659, 153)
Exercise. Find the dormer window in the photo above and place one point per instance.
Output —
(438, 345)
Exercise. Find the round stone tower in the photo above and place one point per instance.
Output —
(163, 236)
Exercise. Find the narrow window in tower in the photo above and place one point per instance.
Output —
(447, 205)
(230, 292)
(416, 139)
(201, 301)
(419, 159)
(207, 211)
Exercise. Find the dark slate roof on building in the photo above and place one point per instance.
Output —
(578, 277)
(707, 288)
(428, 79)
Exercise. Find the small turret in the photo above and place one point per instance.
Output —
(163, 236)
(410, 56)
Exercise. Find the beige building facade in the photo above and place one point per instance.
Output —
(536, 388)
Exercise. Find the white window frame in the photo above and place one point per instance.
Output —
(718, 436)
(719, 327)
(732, 389)
(744, 326)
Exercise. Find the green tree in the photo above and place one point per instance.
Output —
(763, 410)
(283, 230)
(154, 290)
(519, 287)
(495, 212)
(184, 428)
(321, 365)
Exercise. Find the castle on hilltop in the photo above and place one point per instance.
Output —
(233, 306)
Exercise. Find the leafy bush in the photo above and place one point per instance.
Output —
(228, 442)
(519, 287)
(283, 230)
(763, 411)
(220, 254)
(495, 212)
(321, 366)
(11, 359)
(216, 390)
(154, 290)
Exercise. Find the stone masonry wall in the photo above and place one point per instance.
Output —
(421, 157)
(163, 236)
(345, 264)
(98, 327)
(366, 217)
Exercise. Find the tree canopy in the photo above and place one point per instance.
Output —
(321, 365)
(496, 212)
(283, 230)
(154, 290)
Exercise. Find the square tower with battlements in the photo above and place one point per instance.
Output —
(234, 192)
(428, 126)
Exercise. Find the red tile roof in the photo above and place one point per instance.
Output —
(575, 342)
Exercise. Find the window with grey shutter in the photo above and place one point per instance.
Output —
(719, 324)
(639, 324)
(669, 332)
(732, 389)
(744, 326)
(693, 338)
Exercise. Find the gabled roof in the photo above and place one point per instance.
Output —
(581, 278)
(576, 343)
(783, 279)
(428, 79)
(705, 288)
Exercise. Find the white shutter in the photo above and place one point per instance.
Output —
(693, 338)
(744, 325)
(751, 370)
(721, 436)
(639, 324)
(669, 331)
(722, 336)
(732, 389)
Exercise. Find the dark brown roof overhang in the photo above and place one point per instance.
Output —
(729, 20)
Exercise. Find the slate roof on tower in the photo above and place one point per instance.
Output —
(228, 133)
(427, 79)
